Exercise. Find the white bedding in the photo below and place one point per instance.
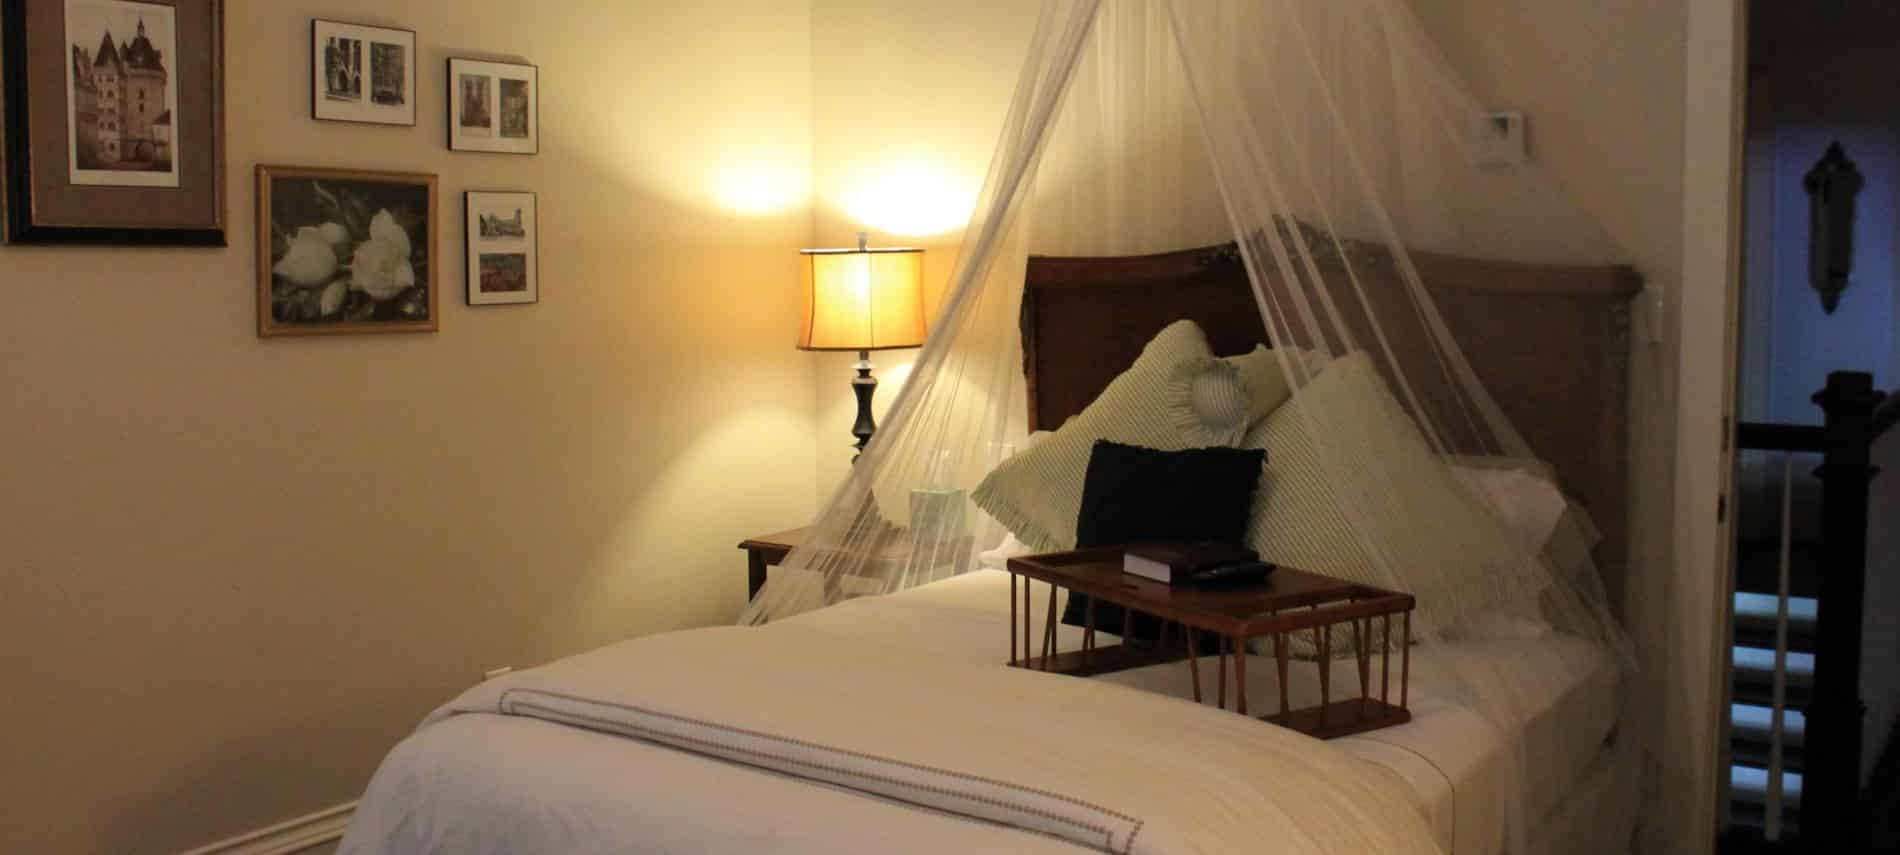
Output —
(1038, 753)
(487, 783)
(1453, 761)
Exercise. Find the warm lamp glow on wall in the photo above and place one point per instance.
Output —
(862, 299)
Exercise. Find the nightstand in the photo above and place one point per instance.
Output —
(765, 551)
(891, 554)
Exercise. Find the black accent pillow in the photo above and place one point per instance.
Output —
(1133, 494)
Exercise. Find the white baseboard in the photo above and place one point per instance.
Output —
(287, 837)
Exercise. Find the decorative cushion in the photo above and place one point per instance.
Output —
(1037, 493)
(1197, 495)
(1209, 402)
(1267, 386)
(1135, 494)
(1371, 486)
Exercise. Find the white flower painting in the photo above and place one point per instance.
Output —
(346, 255)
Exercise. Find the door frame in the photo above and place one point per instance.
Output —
(1707, 327)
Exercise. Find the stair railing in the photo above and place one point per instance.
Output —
(1832, 745)
(1831, 778)
(1784, 573)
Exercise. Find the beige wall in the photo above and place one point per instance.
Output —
(907, 102)
(237, 571)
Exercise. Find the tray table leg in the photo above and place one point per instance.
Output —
(1325, 670)
(1405, 664)
(1385, 660)
(1049, 630)
(1221, 697)
(1240, 683)
(1279, 658)
(1013, 647)
(1359, 638)
(1194, 662)
(1088, 633)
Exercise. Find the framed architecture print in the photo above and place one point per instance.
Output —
(343, 251)
(503, 233)
(114, 121)
(494, 107)
(362, 74)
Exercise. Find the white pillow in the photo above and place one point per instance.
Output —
(1372, 481)
(1531, 506)
(1267, 384)
(1037, 494)
(998, 558)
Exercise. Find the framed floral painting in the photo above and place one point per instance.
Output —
(345, 251)
(114, 121)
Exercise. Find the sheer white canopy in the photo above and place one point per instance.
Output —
(1331, 143)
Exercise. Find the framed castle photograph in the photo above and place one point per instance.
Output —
(345, 251)
(362, 74)
(114, 121)
(503, 235)
(494, 107)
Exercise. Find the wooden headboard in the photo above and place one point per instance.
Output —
(1550, 343)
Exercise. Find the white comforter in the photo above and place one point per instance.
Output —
(1058, 762)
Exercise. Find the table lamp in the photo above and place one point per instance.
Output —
(862, 299)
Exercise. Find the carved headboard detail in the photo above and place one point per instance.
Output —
(1550, 342)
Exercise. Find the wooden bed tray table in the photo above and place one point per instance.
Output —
(1288, 601)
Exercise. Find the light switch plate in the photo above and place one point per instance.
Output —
(1501, 140)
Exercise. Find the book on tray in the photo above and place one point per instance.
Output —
(1178, 563)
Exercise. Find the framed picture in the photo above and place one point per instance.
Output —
(114, 122)
(503, 231)
(343, 251)
(362, 74)
(494, 107)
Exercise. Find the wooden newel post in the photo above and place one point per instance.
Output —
(1831, 783)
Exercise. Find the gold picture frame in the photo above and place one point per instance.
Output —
(345, 251)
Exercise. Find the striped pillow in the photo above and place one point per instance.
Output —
(1037, 494)
(1374, 487)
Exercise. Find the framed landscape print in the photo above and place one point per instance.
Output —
(344, 251)
(494, 107)
(362, 74)
(114, 121)
(503, 233)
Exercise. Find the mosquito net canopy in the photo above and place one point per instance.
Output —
(1332, 147)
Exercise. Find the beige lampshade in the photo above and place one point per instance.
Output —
(862, 299)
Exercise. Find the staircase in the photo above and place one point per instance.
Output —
(1751, 715)
(1796, 717)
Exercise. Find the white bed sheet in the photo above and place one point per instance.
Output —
(1456, 762)
(503, 784)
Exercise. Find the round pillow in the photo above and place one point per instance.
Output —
(1208, 402)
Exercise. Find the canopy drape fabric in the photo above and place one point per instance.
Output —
(1330, 142)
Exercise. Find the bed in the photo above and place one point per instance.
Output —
(678, 743)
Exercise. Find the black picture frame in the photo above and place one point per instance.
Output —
(18, 161)
(530, 247)
(411, 72)
(457, 65)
